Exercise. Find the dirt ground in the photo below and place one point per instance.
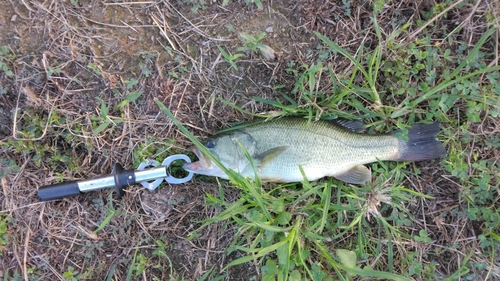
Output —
(73, 56)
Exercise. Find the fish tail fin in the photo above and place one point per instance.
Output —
(422, 143)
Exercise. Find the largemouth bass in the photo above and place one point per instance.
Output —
(324, 148)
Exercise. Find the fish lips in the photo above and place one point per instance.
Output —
(203, 161)
(204, 166)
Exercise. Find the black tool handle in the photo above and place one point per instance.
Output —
(123, 178)
(58, 190)
(119, 180)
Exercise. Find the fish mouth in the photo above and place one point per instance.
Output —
(203, 162)
(204, 166)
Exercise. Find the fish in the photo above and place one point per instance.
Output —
(277, 150)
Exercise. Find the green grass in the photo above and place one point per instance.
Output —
(323, 230)
(197, 5)
(325, 227)
(282, 225)
(6, 59)
(230, 58)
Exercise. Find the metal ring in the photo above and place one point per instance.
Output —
(154, 184)
(168, 161)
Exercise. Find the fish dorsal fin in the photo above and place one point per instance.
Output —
(356, 175)
(269, 155)
(350, 125)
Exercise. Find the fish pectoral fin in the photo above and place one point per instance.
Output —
(269, 155)
(356, 175)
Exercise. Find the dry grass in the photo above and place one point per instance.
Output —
(68, 55)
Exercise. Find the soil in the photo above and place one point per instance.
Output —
(70, 55)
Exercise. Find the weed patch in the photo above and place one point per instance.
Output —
(83, 87)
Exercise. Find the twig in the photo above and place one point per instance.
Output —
(163, 30)
(411, 36)
(129, 3)
(196, 29)
(465, 20)
(14, 124)
(25, 258)
(28, 6)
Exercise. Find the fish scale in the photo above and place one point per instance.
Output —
(322, 148)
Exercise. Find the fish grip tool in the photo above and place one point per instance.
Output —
(149, 174)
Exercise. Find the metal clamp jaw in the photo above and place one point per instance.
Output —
(168, 178)
(150, 178)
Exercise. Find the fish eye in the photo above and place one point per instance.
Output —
(210, 144)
